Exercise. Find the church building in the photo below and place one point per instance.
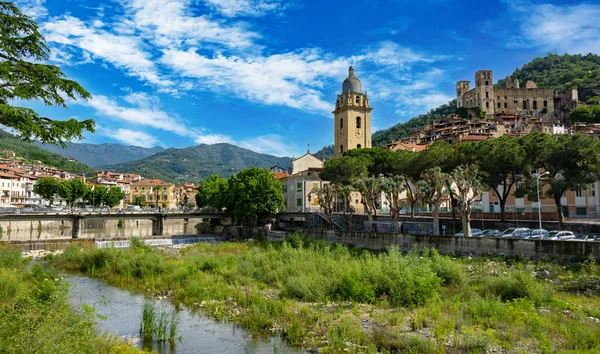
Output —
(352, 117)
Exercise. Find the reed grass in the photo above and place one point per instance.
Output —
(158, 323)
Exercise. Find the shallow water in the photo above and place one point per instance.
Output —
(199, 334)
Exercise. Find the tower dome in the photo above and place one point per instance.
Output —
(352, 83)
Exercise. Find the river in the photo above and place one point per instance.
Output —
(199, 334)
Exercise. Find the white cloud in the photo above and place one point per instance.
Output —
(169, 23)
(272, 144)
(124, 52)
(139, 115)
(558, 28)
(144, 110)
(292, 79)
(165, 44)
(210, 139)
(142, 99)
(247, 8)
(136, 138)
(33, 8)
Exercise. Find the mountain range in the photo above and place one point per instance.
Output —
(195, 163)
(102, 154)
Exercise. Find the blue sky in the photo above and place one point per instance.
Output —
(264, 74)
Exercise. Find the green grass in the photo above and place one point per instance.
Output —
(338, 299)
(36, 316)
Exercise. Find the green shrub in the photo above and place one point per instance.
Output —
(138, 245)
(306, 287)
(9, 257)
(405, 280)
(9, 284)
(351, 288)
(489, 312)
(451, 272)
(475, 342)
(296, 239)
(516, 284)
(147, 265)
(73, 254)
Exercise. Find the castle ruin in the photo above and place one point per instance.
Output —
(514, 100)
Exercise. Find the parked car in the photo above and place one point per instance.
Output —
(559, 235)
(514, 232)
(134, 208)
(474, 233)
(491, 233)
(582, 238)
(537, 234)
(8, 210)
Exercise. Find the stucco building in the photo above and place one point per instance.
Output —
(352, 117)
(298, 186)
(153, 192)
(514, 99)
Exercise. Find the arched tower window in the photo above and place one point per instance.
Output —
(341, 148)
(358, 146)
(534, 104)
(545, 104)
(358, 122)
(524, 104)
(357, 100)
(341, 123)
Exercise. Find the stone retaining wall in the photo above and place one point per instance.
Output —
(458, 245)
(577, 226)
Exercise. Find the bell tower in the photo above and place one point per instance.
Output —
(352, 117)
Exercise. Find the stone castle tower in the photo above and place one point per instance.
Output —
(352, 117)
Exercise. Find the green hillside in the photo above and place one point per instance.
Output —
(402, 130)
(196, 163)
(32, 152)
(563, 72)
(325, 153)
(552, 71)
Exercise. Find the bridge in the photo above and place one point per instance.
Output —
(76, 219)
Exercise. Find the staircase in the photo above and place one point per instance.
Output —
(339, 221)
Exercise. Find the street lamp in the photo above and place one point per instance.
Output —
(539, 201)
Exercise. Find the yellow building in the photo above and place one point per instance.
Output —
(352, 117)
(153, 192)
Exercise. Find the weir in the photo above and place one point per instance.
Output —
(159, 242)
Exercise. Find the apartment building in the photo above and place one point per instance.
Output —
(153, 192)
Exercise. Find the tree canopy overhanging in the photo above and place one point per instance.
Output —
(24, 76)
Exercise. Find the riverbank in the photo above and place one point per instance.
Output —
(330, 298)
(36, 316)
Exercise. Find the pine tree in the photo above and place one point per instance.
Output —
(23, 76)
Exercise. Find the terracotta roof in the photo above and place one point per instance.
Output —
(408, 146)
(280, 175)
(7, 175)
(150, 182)
(474, 138)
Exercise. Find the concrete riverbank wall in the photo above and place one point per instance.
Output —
(450, 226)
(460, 245)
